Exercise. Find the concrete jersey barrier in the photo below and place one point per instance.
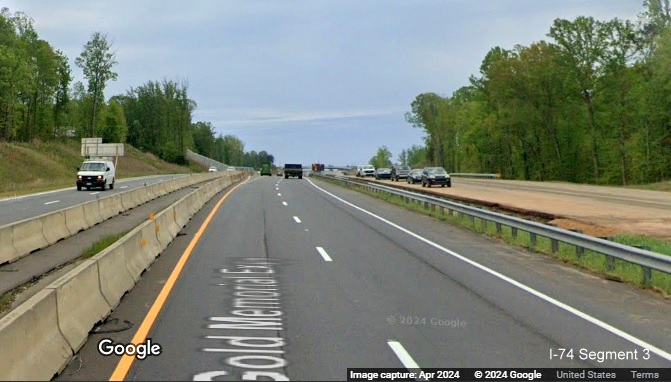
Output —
(24, 237)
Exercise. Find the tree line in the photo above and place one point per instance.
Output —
(592, 104)
(40, 101)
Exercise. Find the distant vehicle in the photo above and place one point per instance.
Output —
(365, 170)
(212, 169)
(265, 170)
(435, 175)
(414, 176)
(293, 169)
(383, 173)
(96, 173)
(231, 168)
(399, 171)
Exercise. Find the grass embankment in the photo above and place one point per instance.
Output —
(42, 166)
(617, 270)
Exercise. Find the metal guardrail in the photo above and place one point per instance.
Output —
(647, 260)
(472, 175)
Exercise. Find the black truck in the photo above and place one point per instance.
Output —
(292, 169)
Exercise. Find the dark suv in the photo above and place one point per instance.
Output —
(435, 175)
(399, 171)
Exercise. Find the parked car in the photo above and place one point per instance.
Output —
(212, 169)
(383, 173)
(435, 175)
(414, 176)
(365, 170)
(399, 171)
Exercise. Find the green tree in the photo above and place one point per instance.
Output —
(382, 158)
(234, 150)
(403, 157)
(203, 138)
(114, 129)
(583, 42)
(97, 62)
(417, 156)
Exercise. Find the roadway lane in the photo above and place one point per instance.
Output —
(14, 209)
(291, 280)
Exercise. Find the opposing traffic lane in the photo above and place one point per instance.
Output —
(258, 296)
(14, 209)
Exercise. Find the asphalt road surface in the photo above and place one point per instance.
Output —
(14, 209)
(301, 279)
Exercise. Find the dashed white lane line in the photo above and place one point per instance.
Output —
(93, 193)
(55, 201)
(297, 219)
(324, 254)
(278, 194)
(403, 355)
(285, 203)
(123, 187)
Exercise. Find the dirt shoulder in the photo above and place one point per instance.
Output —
(594, 210)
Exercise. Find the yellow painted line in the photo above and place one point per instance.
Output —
(126, 361)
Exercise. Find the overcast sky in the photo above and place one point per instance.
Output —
(308, 81)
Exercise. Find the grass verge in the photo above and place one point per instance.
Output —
(612, 269)
(101, 244)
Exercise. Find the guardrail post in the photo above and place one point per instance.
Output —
(472, 219)
(450, 212)
(499, 230)
(483, 225)
(442, 211)
(513, 232)
(532, 240)
(647, 272)
(426, 205)
(433, 207)
(610, 263)
(555, 245)
(579, 251)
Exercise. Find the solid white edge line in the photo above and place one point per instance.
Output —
(285, 203)
(94, 193)
(403, 355)
(297, 219)
(55, 201)
(620, 333)
(324, 254)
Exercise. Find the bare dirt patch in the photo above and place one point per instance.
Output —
(585, 228)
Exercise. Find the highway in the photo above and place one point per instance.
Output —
(301, 279)
(14, 209)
